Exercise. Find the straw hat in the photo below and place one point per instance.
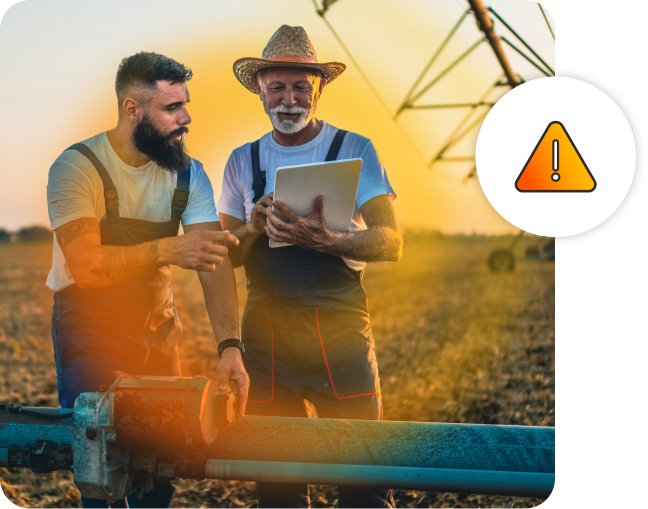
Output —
(288, 47)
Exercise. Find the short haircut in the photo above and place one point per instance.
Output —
(144, 69)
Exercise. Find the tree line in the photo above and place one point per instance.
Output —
(27, 234)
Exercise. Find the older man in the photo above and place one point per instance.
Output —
(116, 201)
(306, 326)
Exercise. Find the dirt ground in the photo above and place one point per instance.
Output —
(455, 343)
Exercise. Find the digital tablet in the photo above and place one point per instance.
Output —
(298, 186)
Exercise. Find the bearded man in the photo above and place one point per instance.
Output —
(306, 326)
(116, 202)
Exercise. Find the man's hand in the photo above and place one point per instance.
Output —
(247, 233)
(197, 250)
(309, 232)
(232, 372)
(258, 222)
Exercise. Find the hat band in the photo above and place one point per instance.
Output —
(293, 58)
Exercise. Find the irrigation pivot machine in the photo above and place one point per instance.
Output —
(501, 259)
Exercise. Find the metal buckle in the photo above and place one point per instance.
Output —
(180, 199)
(111, 197)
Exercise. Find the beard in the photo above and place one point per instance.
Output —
(288, 126)
(162, 148)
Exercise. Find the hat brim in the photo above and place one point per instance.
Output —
(245, 69)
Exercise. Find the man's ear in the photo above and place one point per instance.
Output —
(132, 109)
(323, 83)
(257, 85)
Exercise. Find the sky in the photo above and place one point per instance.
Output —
(58, 60)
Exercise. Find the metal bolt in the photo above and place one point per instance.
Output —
(52, 462)
(91, 433)
(67, 463)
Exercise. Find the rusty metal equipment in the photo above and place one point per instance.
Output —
(166, 410)
(117, 439)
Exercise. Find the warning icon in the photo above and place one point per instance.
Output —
(555, 165)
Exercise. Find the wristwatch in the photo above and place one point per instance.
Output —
(229, 343)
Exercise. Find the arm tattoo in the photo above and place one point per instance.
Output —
(377, 244)
(74, 229)
(119, 263)
(105, 265)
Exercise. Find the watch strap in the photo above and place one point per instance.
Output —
(230, 343)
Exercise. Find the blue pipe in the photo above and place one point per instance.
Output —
(485, 482)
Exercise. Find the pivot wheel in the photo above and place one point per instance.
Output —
(501, 260)
(532, 252)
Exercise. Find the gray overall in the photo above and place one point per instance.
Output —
(307, 335)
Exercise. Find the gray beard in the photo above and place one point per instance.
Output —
(288, 126)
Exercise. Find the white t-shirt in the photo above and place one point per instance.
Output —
(75, 190)
(237, 194)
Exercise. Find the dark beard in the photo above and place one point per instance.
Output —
(161, 148)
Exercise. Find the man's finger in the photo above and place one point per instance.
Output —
(281, 234)
(274, 236)
(224, 236)
(266, 201)
(213, 259)
(279, 223)
(318, 209)
(216, 249)
(231, 238)
(286, 211)
(259, 208)
(273, 233)
(223, 377)
(242, 399)
(208, 266)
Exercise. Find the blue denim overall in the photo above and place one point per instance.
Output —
(130, 326)
(307, 335)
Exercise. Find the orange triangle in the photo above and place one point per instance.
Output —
(555, 165)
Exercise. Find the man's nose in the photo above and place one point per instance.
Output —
(184, 118)
(288, 98)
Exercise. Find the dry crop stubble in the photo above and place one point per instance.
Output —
(455, 343)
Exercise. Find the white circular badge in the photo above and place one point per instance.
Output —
(555, 156)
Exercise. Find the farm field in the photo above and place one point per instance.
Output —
(455, 343)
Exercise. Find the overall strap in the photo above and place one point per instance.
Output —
(110, 192)
(181, 194)
(335, 145)
(258, 176)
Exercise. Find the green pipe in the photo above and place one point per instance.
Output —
(432, 60)
(545, 18)
(522, 40)
(482, 482)
(458, 105)
(525, 56)
(446, 70)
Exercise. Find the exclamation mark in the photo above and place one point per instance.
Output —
(555, 177)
